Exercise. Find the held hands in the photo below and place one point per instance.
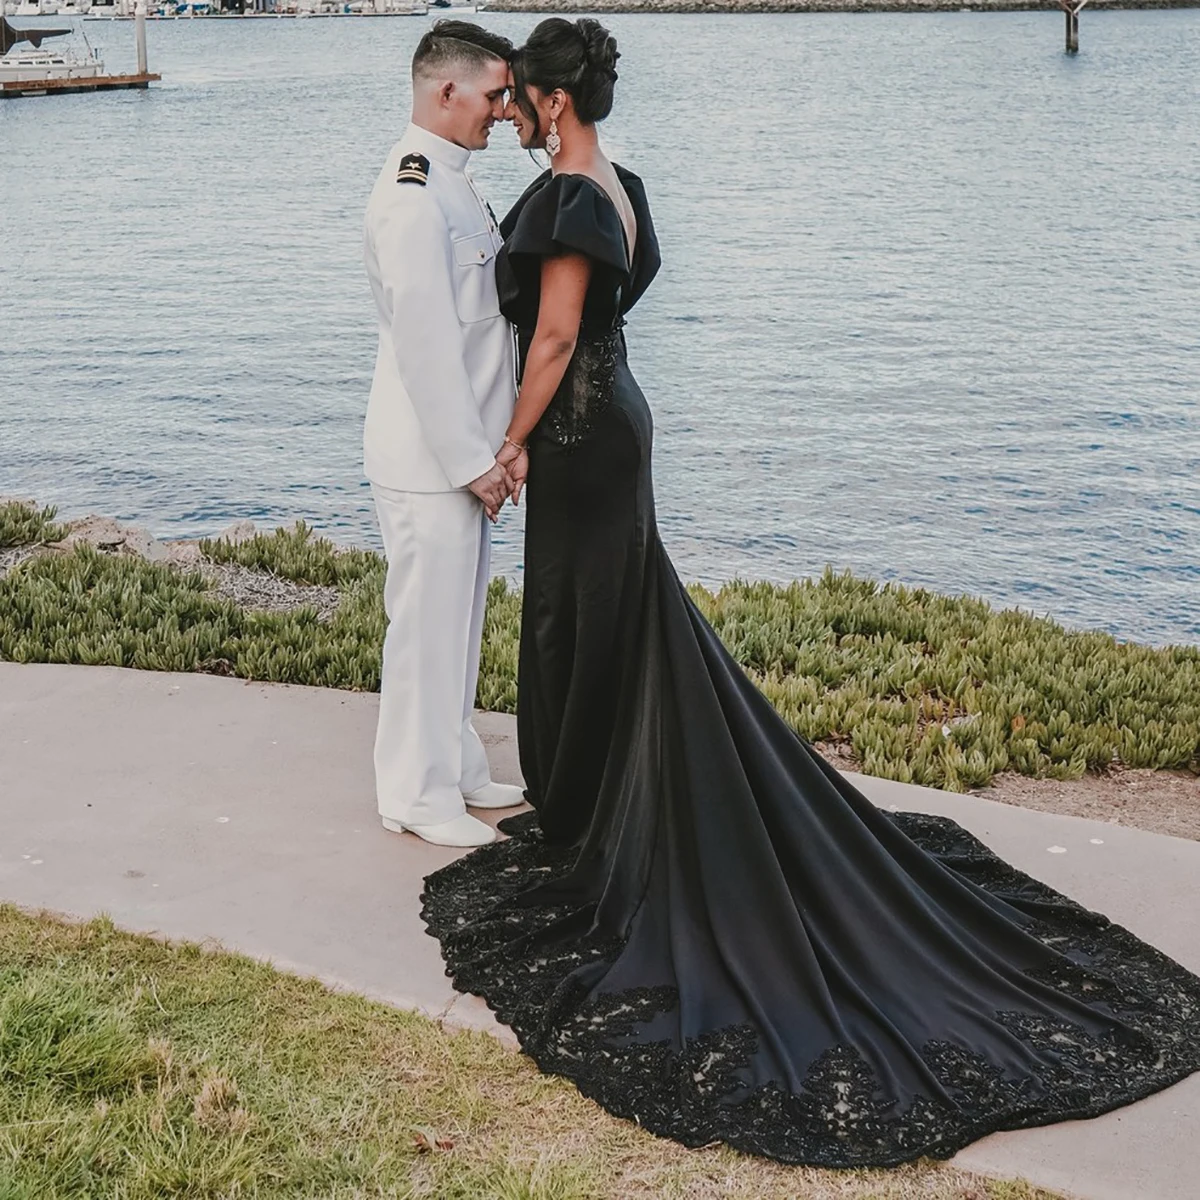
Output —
(515, 460)
(493, 488)
(506, 479)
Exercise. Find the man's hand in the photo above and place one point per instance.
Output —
(516, 463)
(493, 488)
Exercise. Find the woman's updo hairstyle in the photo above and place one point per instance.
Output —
(578, 56)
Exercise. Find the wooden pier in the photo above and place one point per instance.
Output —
(35, 62)
(60, 87)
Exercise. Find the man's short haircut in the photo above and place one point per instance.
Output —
(451, 45)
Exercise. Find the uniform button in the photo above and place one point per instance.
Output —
(482, 255)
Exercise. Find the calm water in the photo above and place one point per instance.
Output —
(929, 307)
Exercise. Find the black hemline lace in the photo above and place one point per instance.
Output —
(535, 963)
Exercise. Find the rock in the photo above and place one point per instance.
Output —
(782, 6)
(101, 533)
(183, 554)
(111, 537)
(138, 541)
(239, 531)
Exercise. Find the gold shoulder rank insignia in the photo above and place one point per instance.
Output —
(414, 168)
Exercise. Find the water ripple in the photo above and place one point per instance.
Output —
(927, 309)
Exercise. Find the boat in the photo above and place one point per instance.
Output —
(22, 58)
(28, 70)
(107, 12)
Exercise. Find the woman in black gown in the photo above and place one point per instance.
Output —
(703, 924)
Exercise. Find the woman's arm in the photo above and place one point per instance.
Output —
(564, 286)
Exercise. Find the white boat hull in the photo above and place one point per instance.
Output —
(35, 66)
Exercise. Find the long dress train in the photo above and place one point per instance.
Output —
(703, 924)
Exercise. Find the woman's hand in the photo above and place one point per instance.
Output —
(515, 460)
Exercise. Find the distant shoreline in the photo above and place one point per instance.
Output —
(740, 7)
(816, 6)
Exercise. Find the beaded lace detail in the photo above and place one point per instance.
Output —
(536, 966)
(586, 390)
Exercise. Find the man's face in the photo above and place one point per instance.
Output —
(476, 103)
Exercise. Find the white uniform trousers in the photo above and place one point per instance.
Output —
(427, 753)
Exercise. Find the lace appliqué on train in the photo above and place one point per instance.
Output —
(586, 390)
(536, 963)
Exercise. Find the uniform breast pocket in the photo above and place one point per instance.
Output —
(475, 278)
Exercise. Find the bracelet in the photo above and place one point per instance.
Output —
(514, 445)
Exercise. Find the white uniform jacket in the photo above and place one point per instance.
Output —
(444, 388)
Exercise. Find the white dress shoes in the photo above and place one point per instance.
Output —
(463, 830)
(495, 795)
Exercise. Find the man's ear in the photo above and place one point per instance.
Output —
(446, 91)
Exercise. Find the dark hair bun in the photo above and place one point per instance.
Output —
(599, 48)
(578, 56)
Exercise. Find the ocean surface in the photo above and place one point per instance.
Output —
(930, 303)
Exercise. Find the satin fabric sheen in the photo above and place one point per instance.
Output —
(705, 925)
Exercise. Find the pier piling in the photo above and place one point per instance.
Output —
(1071, 9)
(139, 15)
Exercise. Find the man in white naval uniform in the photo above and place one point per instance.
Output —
(440, 403)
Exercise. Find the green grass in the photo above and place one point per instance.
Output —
(135, 1069)
(930, 689)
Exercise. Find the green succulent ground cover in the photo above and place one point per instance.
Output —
(26, 525)
(930, 689)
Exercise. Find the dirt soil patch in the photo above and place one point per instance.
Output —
(1159, 801)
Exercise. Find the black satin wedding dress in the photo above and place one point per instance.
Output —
(704, 925)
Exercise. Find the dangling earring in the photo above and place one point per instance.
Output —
(553, 141)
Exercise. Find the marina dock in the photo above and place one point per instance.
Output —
(38, 72)
(10, 89)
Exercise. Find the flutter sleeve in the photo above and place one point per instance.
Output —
(569, 214)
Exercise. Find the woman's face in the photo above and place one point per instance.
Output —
(531, 113)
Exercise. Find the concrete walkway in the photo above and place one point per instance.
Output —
(208, 808)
